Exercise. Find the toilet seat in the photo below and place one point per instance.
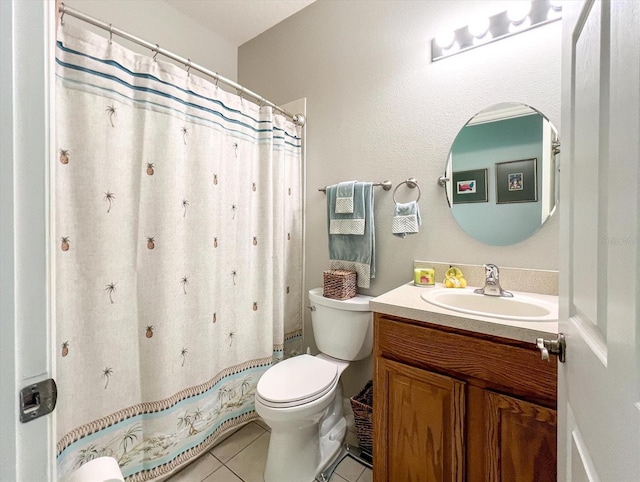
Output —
(296, 381)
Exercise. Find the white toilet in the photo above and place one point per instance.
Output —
(300, 398)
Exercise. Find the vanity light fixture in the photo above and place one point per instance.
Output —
(520, 17)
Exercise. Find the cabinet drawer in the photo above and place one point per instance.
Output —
(492, 362)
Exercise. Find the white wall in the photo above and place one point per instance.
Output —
(377, 109)
(158, 22)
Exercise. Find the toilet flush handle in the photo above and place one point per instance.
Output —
(311, 308)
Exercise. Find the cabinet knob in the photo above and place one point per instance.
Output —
(554, 347)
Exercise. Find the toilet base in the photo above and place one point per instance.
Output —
(331, 444)
(294, 458)
(363, 458)
(299, 455)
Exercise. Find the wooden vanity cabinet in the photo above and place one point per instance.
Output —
(453, 405)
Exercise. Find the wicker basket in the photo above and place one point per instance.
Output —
(362, 405)
(339, 284)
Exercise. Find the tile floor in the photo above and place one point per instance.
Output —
(241, 458)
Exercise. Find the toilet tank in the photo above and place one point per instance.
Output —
(342, 329)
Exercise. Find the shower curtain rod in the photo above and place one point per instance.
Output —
(297, 119)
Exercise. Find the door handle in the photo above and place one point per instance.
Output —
(554, 347)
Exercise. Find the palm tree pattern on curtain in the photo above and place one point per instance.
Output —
(168, 309)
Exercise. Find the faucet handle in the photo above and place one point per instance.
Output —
(491, 271)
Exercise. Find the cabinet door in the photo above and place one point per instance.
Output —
(520, 440)
(419, 425)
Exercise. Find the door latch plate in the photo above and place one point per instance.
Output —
(37, 400)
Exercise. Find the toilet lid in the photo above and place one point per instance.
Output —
(299, 379)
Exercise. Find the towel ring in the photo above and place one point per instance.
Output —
(411, 183)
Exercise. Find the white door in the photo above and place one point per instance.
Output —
(599, 385)
(27, 451)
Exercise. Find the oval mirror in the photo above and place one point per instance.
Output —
(500, 177)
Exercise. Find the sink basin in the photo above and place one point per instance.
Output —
(520, 307)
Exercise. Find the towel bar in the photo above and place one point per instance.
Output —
(386, 185)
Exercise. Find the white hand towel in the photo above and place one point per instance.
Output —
(406, 219)
(344, 197)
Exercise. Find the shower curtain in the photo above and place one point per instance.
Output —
(178, 256)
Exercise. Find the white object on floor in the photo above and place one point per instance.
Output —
(102, 469)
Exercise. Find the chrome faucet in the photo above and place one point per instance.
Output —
(492, 283)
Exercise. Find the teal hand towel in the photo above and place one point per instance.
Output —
(354, 252)
(406, 219)
(347, 223)
(344, 197)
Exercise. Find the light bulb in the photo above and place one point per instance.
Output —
(518, 11)
(554, 12)
(479, 27)
(445, 39)
(556, 4)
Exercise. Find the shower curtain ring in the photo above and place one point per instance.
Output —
(217, 79)
(62, 11)
(110, 34)
(157, 50)
(188, 66)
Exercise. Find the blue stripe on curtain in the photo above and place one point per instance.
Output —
(163, 94)
(183, 113)
(150, 77)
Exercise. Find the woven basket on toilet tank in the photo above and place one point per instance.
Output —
(339, 284)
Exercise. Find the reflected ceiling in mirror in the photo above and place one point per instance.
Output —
(501, 174)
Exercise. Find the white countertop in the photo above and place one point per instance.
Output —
(406, 302)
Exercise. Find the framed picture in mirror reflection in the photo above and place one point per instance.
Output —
(470, 186)
(516, 181)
